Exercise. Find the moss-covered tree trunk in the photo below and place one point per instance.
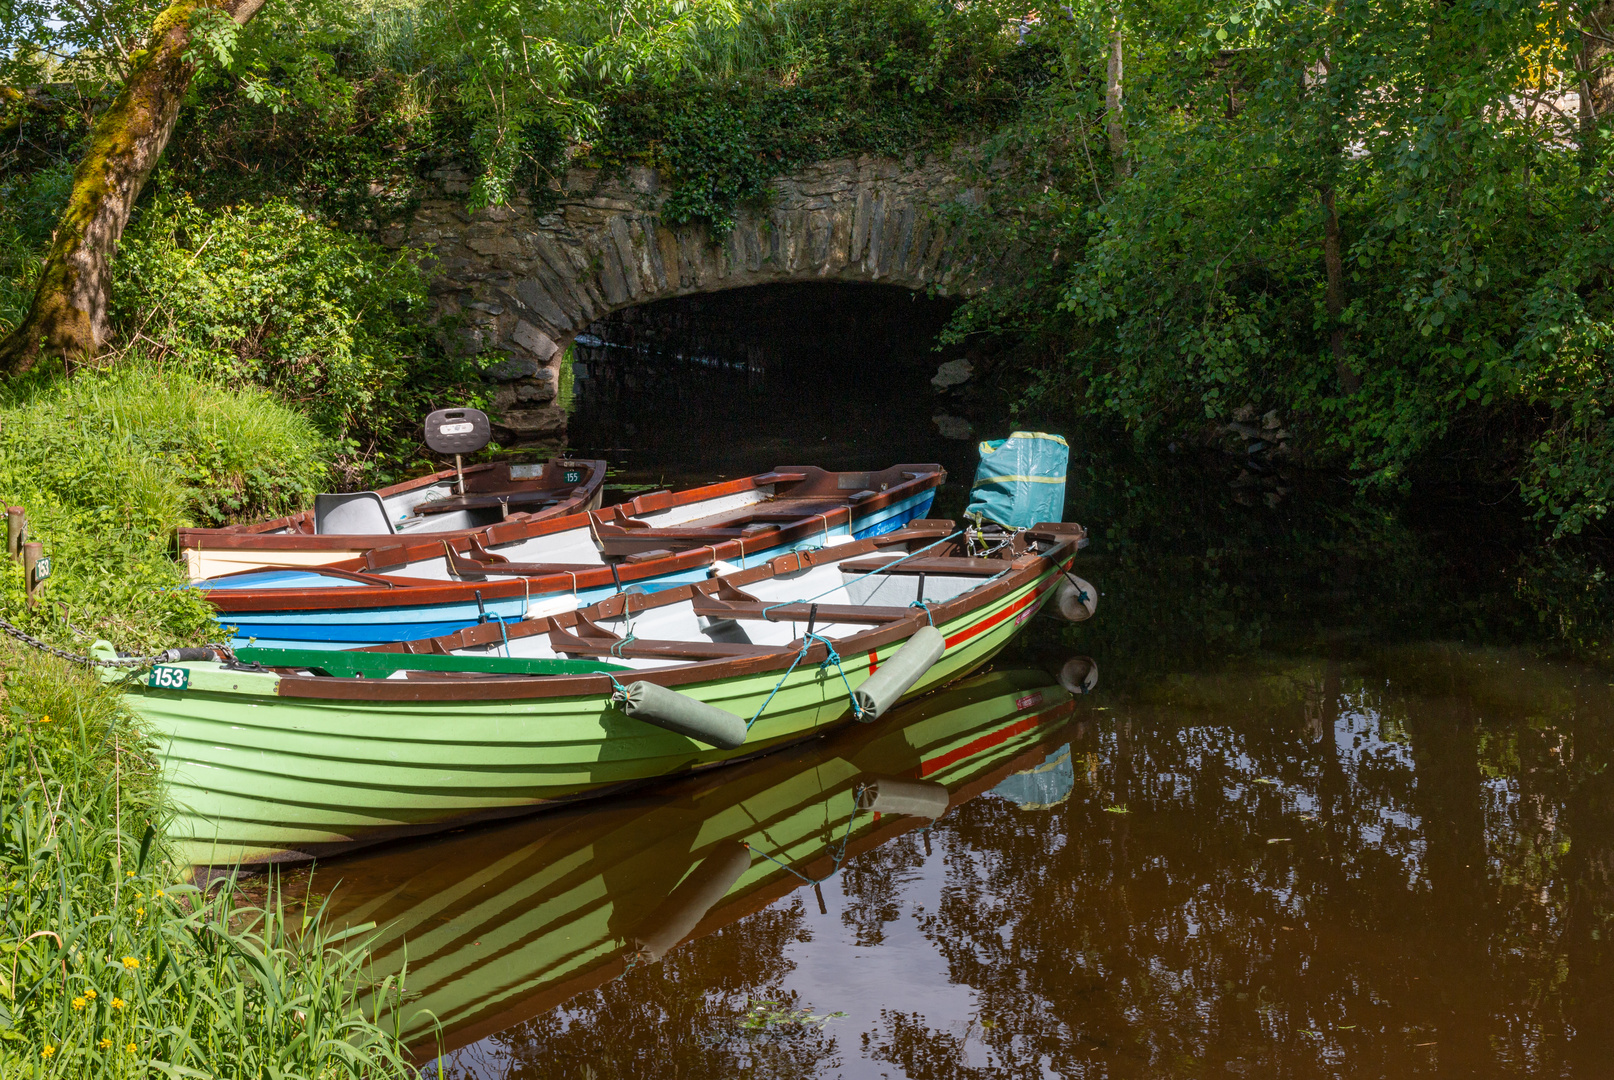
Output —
(69, 314)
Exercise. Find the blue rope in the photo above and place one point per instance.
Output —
(860, 577)
(836, 858)
(832, 658)
(924, 606)
(496, 617)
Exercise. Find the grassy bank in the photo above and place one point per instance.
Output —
(110, 964)
(107, 464)
(114, 966)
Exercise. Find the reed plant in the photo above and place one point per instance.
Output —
(111, 963)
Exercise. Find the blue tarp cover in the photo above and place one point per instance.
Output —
(1021, 480)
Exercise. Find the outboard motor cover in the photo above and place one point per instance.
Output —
(1021, 480)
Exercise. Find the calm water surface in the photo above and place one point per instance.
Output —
(1327, 813)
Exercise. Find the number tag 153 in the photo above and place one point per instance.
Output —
(169, 678)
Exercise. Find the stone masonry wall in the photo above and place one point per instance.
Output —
(524, 285)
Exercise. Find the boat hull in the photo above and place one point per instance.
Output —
(260, 777)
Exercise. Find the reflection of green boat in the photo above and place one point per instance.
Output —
(501, 925)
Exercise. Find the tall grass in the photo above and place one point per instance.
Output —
(111, 966)
(108, 463)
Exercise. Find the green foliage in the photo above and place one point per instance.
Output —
(1473, 322)
(29, 205)
(517, 67)
(107, 465)
(267, 295)
(771, 1017)
(819, 78)
(114, 966)
(343, 145)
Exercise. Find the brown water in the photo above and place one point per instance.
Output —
(1329, 812)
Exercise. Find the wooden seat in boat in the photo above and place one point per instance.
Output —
(524, 500)
(713, 608)
(946, 565)
(563, 641)
(592, 639)
(482, 564)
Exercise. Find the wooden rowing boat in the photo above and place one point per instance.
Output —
(444, 505)
(500, 925)
(313, 752)
(414, 587)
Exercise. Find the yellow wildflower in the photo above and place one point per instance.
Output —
(90, 993)
(129, 874)
(78, 1003)
(130, 1048)
(47, 1052)
(140, 912)
(117, 1003)
(158, 895)
(105, 1044)
(131, 962)
(45, 720)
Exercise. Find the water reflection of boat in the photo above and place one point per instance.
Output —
(1048, 783)
(500, 925)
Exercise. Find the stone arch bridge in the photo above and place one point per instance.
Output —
(526, 284)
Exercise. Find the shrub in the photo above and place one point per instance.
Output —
(267, 295)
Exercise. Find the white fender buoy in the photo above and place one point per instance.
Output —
(897, 675)
(1075, 600)
(913, 798)
(687, 905)
(1079, 674)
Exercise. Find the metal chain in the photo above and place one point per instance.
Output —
(74, 658)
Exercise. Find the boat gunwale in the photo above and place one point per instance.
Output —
(254, 534)
(1023, 570)
(403, 591)
(512, 530)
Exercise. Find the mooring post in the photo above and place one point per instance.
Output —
(31, 554)
(16, 530)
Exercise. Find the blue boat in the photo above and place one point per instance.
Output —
(421, 587)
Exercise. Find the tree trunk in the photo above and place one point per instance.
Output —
(1594, 80)
(69, 314)
(1333, 258)
(1113, 126)
(1334, 297)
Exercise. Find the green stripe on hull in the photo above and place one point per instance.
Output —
(256, 776)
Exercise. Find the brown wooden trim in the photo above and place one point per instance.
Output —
(421, 592)
(263, 535)
(1018, 573)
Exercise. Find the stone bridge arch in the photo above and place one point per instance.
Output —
(526, 284)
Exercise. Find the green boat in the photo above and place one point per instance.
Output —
(500, 925)
(283, 754)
